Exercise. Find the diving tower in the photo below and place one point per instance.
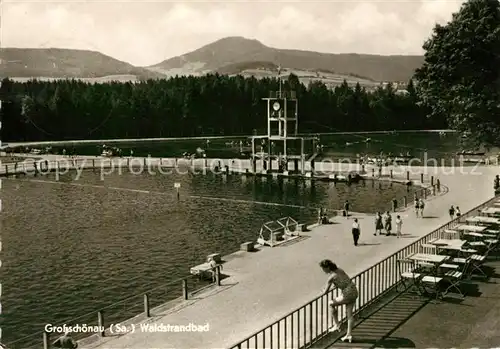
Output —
(282, 141)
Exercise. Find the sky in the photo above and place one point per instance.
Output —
(147, 32)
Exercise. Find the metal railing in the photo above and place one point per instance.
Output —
(428, 186)
(129, 310)
(309, 323)
(64, 165)
(145, 303)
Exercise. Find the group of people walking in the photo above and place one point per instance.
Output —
(454, 212)
(383, 226)
(383, 223)
(419, 207)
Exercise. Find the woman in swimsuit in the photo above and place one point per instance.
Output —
(349, 294)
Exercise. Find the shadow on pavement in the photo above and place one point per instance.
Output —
(409, 320)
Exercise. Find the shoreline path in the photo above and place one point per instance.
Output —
(266, 285)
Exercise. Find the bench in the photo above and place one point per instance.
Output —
(247, 246)
(203, 271)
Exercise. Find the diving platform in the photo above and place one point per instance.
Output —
(351, 177)
(282, 141)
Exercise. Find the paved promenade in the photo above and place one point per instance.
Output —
(408, 321)
(265, 285)
(472, 323)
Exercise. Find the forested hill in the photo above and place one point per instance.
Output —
(232, 54)
(193, 106)
(65, 63)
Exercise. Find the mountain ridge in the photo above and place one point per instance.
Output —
(238, 50)
(65, 63)
(230, 56)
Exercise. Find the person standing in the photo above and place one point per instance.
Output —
(399, 225)
(417, 207)
(346, 208)
(356, 231)
(320, 215)
(394, 205)
(421, 206)
(378, 224)
(457, 212)
(388, 223)
(451, 212)
(215, 269)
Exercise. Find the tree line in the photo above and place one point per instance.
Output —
(195, 106)
(457, 86)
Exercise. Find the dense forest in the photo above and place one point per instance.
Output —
(195, 106)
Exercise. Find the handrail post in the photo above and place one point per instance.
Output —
(146, 305)
(390, 173)
(432, 180)
(217, 275)
(46, 340)
(421, 178)
(387, 267)
(100, 323)
(407, 175)
(185, 292)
